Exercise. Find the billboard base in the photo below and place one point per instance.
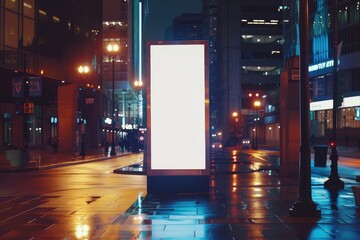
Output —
(165, 185)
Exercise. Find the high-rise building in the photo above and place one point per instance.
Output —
(250, 60)
(122, 25)
(324, 35)
(187, 26)
(41, 45)
(210, 33)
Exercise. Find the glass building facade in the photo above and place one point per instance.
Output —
(43, 41)
(122, 24)
(250, 45)
(321, 65)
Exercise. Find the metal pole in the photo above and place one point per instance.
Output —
(304, 207)
(334, 183)
(256, 129)
(112, 152)
(82, 151)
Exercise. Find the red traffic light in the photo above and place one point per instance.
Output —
(332, 144)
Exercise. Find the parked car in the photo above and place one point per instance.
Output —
(246, 143)
(216, 146)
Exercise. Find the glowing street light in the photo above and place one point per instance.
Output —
(83, 70)
(257, 103)
(113, 49)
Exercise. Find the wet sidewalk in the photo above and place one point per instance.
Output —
(45, 158)
(247, 200)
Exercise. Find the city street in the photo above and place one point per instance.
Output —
(247, 200)
(66, 201)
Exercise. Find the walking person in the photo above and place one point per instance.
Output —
(106, 148)
(55, 144)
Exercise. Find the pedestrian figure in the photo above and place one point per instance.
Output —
(55, 144)
(121, 145)
(106, 148)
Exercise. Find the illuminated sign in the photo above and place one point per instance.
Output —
(108, 120)
(178, 103)
(328, 104)
(357, 114)
(320, 66)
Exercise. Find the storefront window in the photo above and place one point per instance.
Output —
(348, 118)
(35, 127)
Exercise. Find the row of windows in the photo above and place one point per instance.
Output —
(262, 39)
(322, 86)
(347, 116)
(18, 30)
(274, 54)
(25, 7)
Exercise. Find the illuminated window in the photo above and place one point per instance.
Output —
(56, 19)
(11, 5)
(28, 32)
(11, 29)
(29, 9)
(42, 12)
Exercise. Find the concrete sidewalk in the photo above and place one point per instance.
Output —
(248, 204)
(44, 158)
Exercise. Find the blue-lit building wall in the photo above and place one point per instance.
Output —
(321, 56)
(138, 17)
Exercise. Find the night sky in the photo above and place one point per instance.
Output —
(162, 13)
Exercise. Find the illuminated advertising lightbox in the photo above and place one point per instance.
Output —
(177, 109)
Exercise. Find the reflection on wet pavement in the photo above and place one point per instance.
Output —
(247, 200)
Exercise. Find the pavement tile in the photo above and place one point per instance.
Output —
(242, 204)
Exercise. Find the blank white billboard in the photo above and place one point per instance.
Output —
(178, 103)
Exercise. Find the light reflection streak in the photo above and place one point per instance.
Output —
(82, 231)
(234, 167)
(234, 180)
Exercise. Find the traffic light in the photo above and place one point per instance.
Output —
(332, 143)
(255, 100)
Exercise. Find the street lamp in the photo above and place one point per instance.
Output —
(256, 119)
(257, 105)
(334, 183)
(138, 84)
(112, 50)
(234, 127)
(83, 70)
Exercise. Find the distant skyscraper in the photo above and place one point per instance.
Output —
(187, 27)
(122, 24)
(250, 59)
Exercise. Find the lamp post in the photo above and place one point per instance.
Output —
(255, 130)
(304, 206)
(234, 124)
(138, 86)
(112, 50)
(257, 105)
(334, 183)
(83, 70)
